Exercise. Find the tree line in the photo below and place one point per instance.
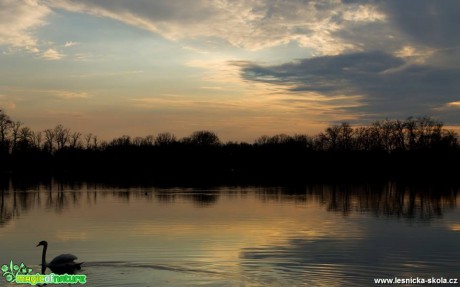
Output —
(387, 146)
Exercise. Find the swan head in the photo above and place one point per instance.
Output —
(42, 243)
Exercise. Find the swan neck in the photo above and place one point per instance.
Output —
(43, 259)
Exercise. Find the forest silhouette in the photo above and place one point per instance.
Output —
(415, 148)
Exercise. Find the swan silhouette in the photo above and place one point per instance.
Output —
(61, 264)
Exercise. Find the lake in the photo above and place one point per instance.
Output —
(310, 235)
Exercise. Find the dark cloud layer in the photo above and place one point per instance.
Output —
(389, 85)
(426, 22)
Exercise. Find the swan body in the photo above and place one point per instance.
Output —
(64, 263)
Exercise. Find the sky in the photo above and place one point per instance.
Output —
(241, 69)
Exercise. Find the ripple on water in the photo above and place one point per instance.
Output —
(119, 273)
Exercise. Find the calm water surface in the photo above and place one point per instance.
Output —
(315, 235)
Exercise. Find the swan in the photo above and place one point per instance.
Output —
(61, 264)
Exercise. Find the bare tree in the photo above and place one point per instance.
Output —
(398, 141)
(335, 138)
(320, 142)
(37, 138)
(332, 134)
(25, 134)
(122, 141)
(163, 139)
(411, 136)
(49, 139)
(449, 139)
(88, 138)
(74, 139)
(61, 136)
(262, 140)
(15, 128)
(5, 126)
(148, 140)
(302, 140)
(137, 141)
(95, 142)
(362, 138)
(345, 136)
(204, 138)
(283, 139)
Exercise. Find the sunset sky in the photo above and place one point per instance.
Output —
(239, 68)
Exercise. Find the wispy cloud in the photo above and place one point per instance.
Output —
(250, 24)
(184, 102)
(7, 102)
(70, 94)
(112, 74)
(55, 93)
(70, 44)
(52, 54)
(19, 19)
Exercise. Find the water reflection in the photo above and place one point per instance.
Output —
(389, 199)
(314, 235)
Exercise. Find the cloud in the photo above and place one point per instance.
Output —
(328, 27)
(389, 85)
(112, 74)
(250, 24)
(60, 94)
(18, 20)
(6, 102)
(428, 23)
(454, 104)
(70, 94)
(422, 33)
(52, 54)
(70, 44)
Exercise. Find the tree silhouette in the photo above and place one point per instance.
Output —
(203, 138)
(61, 136)
(164, 139)
(5, 127)
(413, 147)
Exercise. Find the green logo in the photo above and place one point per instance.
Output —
(12, 271)
(21, 274)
